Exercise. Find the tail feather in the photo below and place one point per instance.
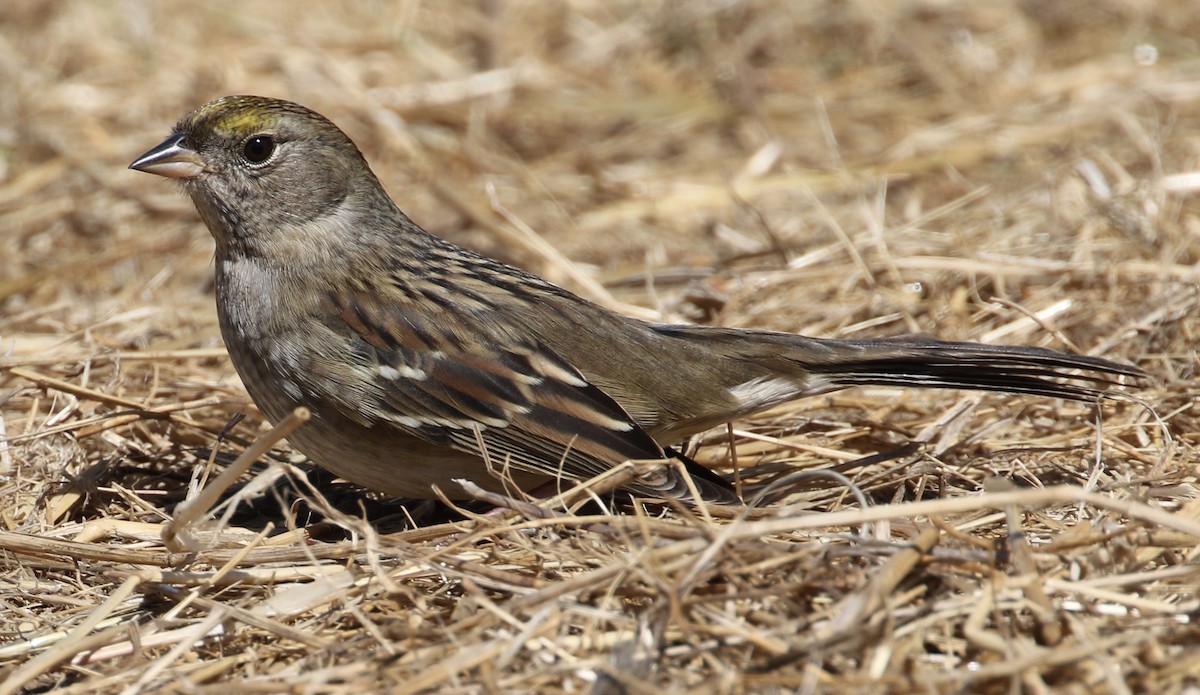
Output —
(935, 363)
(761, 369)
(816, 364)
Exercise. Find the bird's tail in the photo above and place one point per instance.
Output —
(770, 367)
(761, 369)
(925, 362)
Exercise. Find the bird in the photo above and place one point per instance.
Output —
(423, 362)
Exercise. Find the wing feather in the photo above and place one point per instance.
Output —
(530, 408)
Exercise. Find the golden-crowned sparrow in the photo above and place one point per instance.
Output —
(420, 359)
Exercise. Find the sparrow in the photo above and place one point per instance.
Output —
(423, 362)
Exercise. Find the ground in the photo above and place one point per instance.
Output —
(1001, 171)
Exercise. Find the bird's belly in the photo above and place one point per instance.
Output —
(395, 463)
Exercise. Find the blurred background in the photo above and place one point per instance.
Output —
(889, 156)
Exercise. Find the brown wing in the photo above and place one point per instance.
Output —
(454, 376)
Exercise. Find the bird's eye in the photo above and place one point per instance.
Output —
(258, 149)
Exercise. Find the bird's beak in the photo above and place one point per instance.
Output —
(171, 159)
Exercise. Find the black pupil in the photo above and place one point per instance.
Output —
(259, 148)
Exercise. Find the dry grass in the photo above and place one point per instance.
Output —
(1016, 172)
